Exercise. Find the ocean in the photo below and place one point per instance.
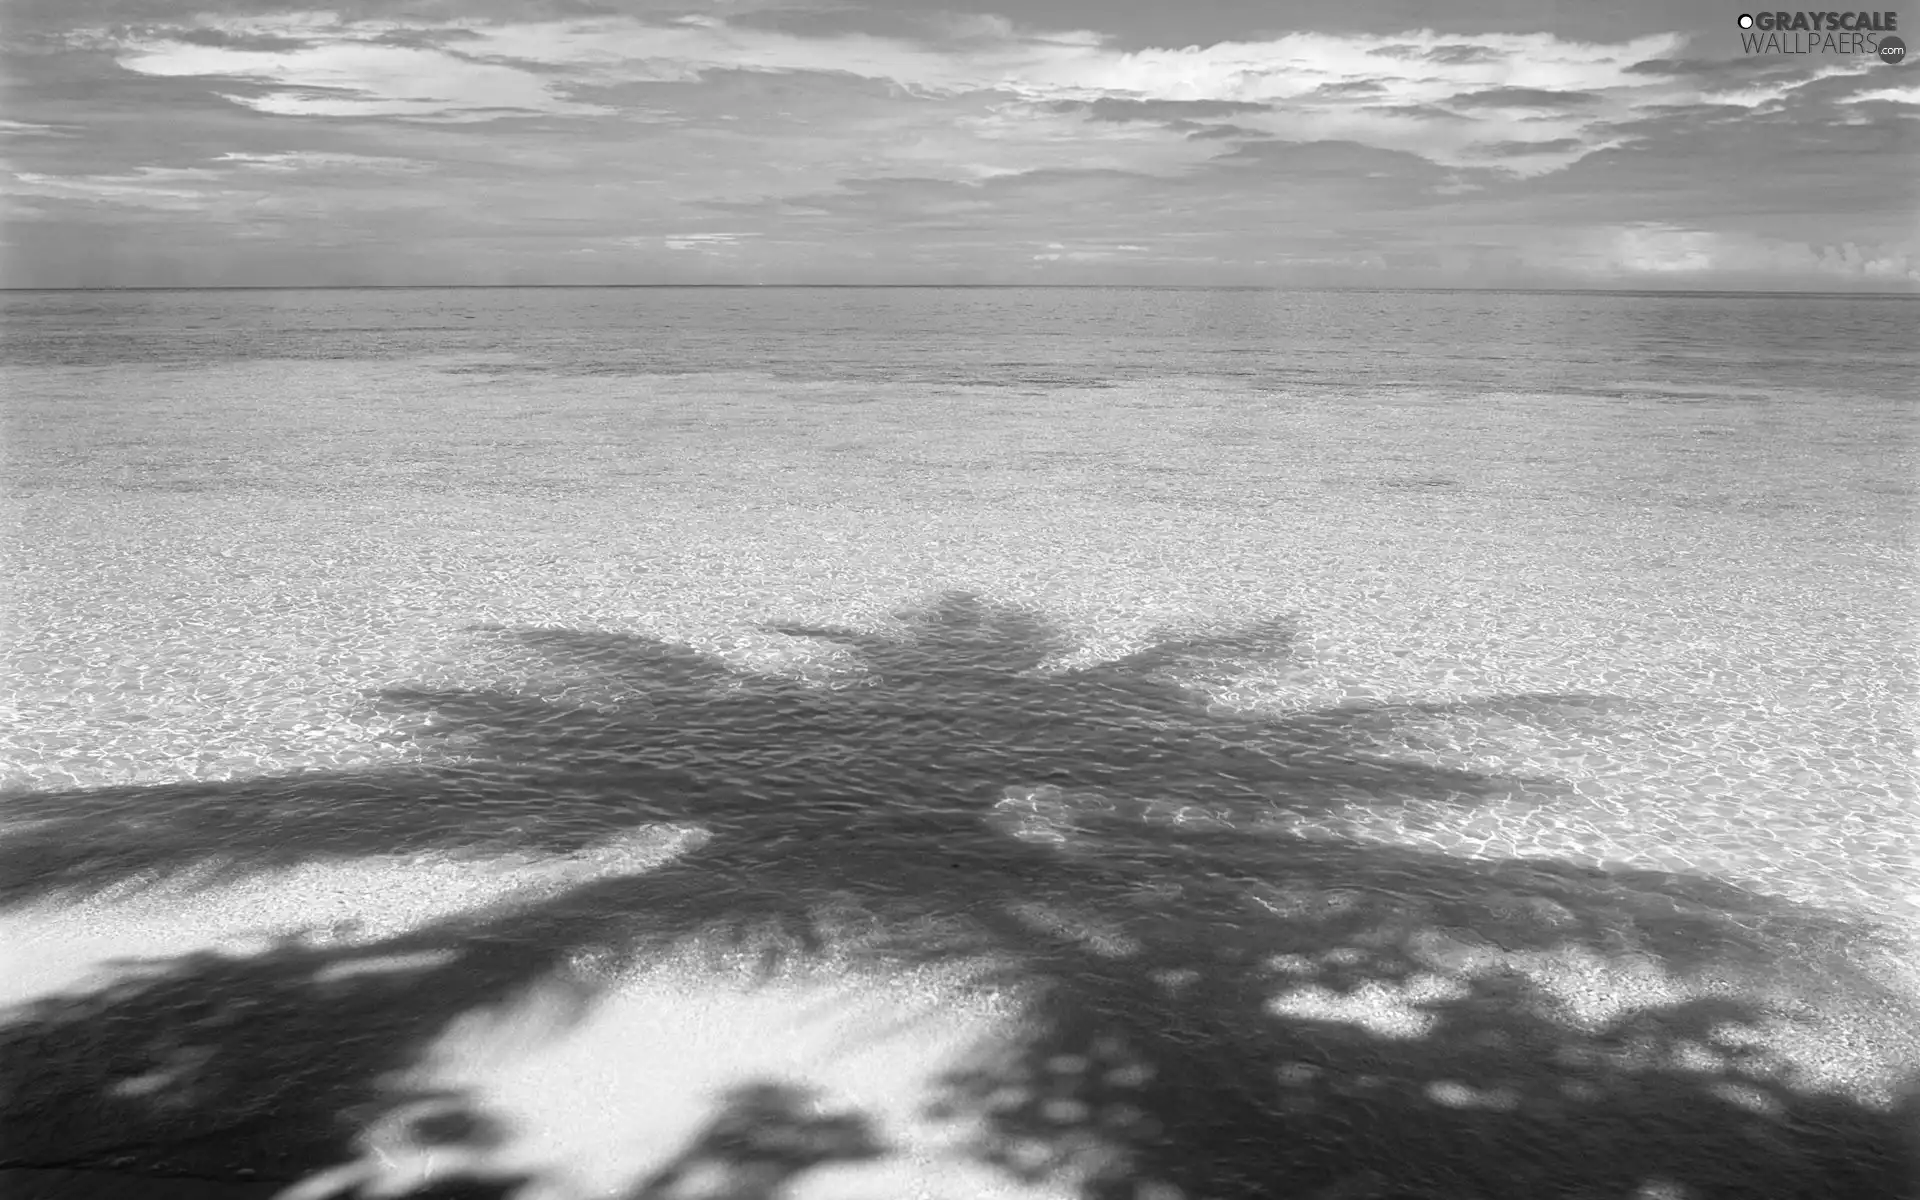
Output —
(1112, 634)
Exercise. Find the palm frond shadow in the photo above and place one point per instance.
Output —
(953, 715)
(1100, 832)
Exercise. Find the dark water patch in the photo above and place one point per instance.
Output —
(1659, 394)
(1393, 483)
(1420, 483)
(161, 485)
(502, 369)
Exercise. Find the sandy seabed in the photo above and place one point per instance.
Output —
(222, 604)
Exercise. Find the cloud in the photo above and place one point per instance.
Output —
(1744, 67)
(1417, 112)
(1459, 54)
(33, 129)
(486, 143)
(1344, 88)
(1895, 95)
(239, 40)
(1383, 91)
(1084, 252)
(707, 242)
(1763, 92)
(314, 160)
(1510, 149)
(351, 74)
(1652, 250)
(1115, 108)
(233, 182)
(1516, 97)
(1223, 132)
(148, 187)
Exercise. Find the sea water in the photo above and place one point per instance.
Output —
(1153, 616)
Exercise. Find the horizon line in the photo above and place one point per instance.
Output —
(1911, 293)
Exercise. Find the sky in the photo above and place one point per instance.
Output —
(1478, 143)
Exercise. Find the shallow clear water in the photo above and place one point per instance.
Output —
(1179, 631)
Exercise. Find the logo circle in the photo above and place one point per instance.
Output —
(1746, 20)
(1893, 50)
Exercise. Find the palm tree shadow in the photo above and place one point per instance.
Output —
(1116, 843)
(948, 718)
